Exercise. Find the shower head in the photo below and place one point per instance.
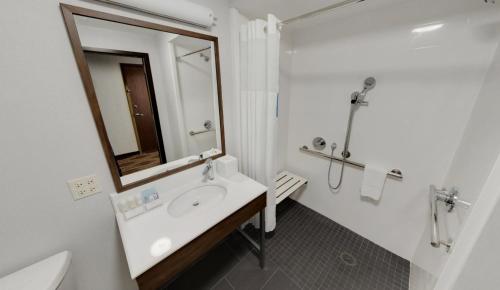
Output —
(358, 98)
(206, 58)
(369, 84)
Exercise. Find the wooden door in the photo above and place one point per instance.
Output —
(137, 90)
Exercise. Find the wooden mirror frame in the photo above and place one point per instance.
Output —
(69, 12)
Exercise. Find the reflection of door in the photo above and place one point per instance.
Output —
(136, 87)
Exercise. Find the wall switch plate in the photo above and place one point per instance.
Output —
(84, 186)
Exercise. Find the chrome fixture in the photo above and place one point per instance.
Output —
(207, 124)
(394, 173)
(357, 100)
(206, 58)
(319, 143)
(192, 133)
(208, 171)
(258, 247)
(450, 199)
(319, 11)
(208, 128)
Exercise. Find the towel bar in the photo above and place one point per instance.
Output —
(395, 173)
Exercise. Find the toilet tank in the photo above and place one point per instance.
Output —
(48, 274)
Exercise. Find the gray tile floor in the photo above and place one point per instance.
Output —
(308, 251)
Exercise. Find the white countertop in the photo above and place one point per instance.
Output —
(153, 236)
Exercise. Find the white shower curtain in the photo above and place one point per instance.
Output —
(257, 106)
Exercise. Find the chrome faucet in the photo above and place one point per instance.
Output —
(209, 169)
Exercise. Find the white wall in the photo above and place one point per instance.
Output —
(49, 137)
(113, 102)
(471, 166)
(427, 85)
(195, 82)
(481, 268)
(473, 262)
(286, 52)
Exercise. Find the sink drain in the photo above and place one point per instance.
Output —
(196, 203)
(348, 259)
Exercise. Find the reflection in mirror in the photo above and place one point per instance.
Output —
(125, 99)
(157, 95)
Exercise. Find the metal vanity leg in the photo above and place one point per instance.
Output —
(262, 252)
(260, 247)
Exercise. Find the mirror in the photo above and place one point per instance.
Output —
(154, 92)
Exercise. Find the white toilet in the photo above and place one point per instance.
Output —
(48, 274)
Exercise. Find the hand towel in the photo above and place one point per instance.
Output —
(373, 181)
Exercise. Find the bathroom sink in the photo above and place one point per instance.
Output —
(196, 198)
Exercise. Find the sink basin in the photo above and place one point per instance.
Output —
(196, 198)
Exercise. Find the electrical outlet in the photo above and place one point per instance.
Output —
(84, 186)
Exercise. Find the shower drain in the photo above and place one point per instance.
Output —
(348, 259)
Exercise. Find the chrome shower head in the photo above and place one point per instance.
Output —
(206, 58)
(369, 84)
(358, 98)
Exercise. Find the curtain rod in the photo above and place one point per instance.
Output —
(319, 11)
(193, 52)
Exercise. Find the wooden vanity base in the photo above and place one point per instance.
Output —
(171, 266)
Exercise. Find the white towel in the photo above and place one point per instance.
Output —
(373, 181)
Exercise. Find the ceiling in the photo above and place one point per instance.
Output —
(283, 9)
(286, 9)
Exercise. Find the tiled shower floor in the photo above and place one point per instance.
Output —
(308, 251)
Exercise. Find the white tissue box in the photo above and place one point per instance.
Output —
(227, 166)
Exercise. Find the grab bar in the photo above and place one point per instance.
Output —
(450, 198)
(435, 240)
(192, 133)
(395, 173)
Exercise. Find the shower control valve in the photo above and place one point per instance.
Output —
(319, 143)
(450, 198)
